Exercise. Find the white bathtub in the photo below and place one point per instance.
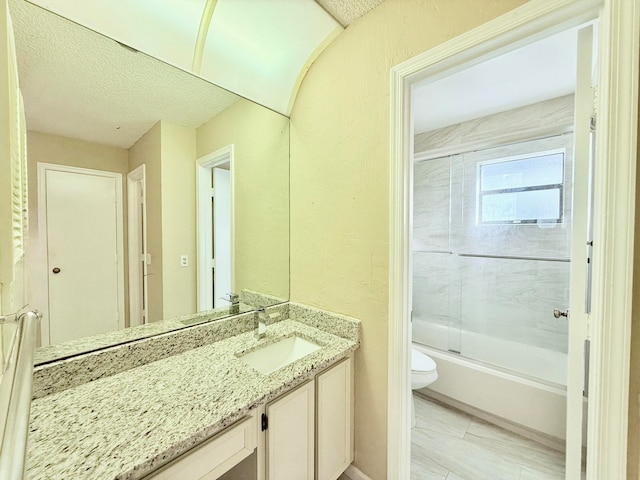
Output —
(538, 364)
(536, 409)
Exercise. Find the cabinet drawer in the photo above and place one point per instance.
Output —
(215, 456)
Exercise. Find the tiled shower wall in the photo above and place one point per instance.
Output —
(454, 285)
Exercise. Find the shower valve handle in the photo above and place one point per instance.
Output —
(559, 313)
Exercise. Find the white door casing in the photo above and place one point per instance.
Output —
(613, 212)
(221, 236)
(80, 228)
(204, 215)
(137, 246)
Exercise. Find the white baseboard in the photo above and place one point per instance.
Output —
(355, 474)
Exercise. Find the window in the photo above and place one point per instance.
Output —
(521, 190)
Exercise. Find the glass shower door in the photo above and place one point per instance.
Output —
(436, 279)
(492, 246)
(514, 244)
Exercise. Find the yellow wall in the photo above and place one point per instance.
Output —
(261, 192)
(340, 177)
(178, 153)
(147, 151)
(168, 152)
(46, 148)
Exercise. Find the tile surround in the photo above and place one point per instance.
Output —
(557, 112)
(511, 299)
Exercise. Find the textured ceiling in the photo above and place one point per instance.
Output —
(255, 48)
(348, 11)
(79, 84)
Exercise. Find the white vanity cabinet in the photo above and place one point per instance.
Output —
(309, 431)
(305, 434)
(290, 435)
(334, 420)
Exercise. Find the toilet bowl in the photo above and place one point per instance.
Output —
(423, 372)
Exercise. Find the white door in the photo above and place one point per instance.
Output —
(221, 236)
(81, 242)
(579, 311)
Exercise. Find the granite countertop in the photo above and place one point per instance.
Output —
(127, 425)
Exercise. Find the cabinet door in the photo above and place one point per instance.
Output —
(334, 414)
(290, 435)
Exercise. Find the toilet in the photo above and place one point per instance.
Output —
(423, 372)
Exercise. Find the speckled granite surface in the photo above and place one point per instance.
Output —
(260, 300)
(128, 424)
(104, 340)
(88, 344)
(340, 325)
(61, 375)
(101, 362)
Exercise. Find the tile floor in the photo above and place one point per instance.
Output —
(450, 445)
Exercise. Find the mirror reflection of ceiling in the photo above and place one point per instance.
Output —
(101, 92)
(259, 49)
(537, 72)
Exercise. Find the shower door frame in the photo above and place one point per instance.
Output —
(614, 212)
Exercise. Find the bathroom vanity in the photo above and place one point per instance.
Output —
(196, 412)
(304, 431)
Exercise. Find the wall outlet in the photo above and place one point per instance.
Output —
(184, 260)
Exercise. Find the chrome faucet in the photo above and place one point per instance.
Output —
(259, 324)
(234, 300)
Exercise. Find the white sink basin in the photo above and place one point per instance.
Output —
(276, 355)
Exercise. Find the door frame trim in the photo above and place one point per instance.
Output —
(614, 213)
(204, 165)
(42, 238)
(136, 175)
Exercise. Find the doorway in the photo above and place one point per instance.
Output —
(610, 348)
(215, 179)
(80, 223)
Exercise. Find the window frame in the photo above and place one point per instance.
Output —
(549, 186)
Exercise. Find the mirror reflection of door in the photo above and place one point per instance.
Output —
(137, 245)
(82, 220)
(215, 228)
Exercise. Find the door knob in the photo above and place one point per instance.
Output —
(56, 270)
(559, 313)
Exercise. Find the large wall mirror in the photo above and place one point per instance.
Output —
(153, 193)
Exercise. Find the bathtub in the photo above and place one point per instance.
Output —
(533, 407)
